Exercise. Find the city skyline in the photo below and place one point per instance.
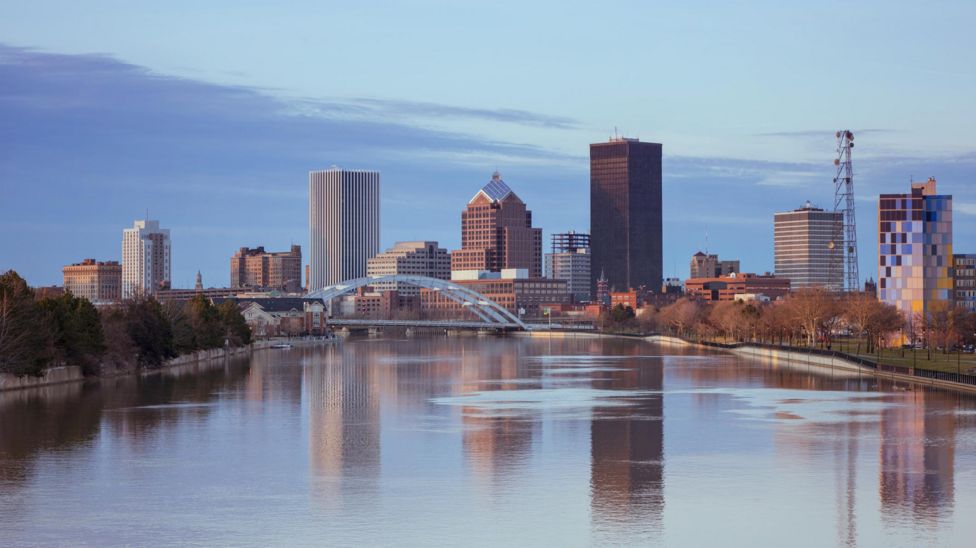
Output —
(135, 126)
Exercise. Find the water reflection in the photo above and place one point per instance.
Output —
(627, 445)
(344, 420)
(491, 441)
(917, 459)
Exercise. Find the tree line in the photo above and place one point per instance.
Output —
(39, 332)
(808, 317)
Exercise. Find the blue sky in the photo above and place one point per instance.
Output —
(211, 114)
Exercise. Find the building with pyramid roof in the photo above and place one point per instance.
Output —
(497, 232)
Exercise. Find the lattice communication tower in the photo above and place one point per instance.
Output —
(844, 203)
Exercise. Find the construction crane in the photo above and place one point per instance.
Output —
(845, 263)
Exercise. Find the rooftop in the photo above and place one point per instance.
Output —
(496, 190)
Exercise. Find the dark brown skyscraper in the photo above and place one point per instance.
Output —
(625, 213)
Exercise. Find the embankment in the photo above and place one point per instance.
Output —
(68, 374)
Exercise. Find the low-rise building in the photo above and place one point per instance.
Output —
(282, 317)
(97, 281)
(626, 299)
(725, 288)
(964, 280)
(369, 303)
(421, 258)
(522, 296)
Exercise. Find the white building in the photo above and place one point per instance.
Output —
(805, 247)
(574, 267)
(410, 258)
(146, 258)
(344, 224)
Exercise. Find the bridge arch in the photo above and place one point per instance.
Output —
(488, 311)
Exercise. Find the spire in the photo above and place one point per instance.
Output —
(199, 286)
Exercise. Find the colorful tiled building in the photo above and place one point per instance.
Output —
(915, 249)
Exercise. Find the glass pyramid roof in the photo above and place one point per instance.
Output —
(496, 189)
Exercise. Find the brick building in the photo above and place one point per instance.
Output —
(725, 288)
(259, 269)
(99, 282)
(497, 233)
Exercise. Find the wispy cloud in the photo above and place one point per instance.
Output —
(821, 133)
(966, 208)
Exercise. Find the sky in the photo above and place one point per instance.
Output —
(209, 116)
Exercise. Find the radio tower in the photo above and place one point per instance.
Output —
(844, 202)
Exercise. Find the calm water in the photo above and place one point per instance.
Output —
(483, 441)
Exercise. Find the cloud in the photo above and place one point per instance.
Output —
(966, 208)
(821, 133)
(416, 109)
(88, 143)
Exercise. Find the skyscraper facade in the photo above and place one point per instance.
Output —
(344, 224)
(497, 233)
(805, 250)
(915, 249)
(260, 269)
(146, 259)
(625, 214)
(964, 280)
(570, 260)
(410, 258)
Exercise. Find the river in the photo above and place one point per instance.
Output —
(474, 441)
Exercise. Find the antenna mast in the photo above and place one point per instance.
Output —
(845, 233)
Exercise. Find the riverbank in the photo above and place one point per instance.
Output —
(73, 374)
(786, 356)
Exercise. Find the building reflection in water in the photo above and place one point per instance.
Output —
(627, 443)
(344, 421)
(495, 443)
(918, 459)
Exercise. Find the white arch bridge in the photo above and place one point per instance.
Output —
(489, 313)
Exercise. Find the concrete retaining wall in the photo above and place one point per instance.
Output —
(58, 375)
(54, 375)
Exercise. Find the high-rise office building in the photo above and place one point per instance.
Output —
(915, 249)
(99, 282)
(710, 266)
(259, 269)
(964, 280)
(146, 259)
(625, 214)
(411, 258)
(805, 248)
(344, 224)
(570, 261)
(497, 233)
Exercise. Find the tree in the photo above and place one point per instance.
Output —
(120, 352)
(813, 309)
(150, 331)
(22, 343)
(236, 330)
(726, 317)
(621, 313)
(680, 315)
(205, 322)
(883, 320)
(184, 338)
(857, 309)
(75, 331)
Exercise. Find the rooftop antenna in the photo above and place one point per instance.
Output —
(706, 239)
